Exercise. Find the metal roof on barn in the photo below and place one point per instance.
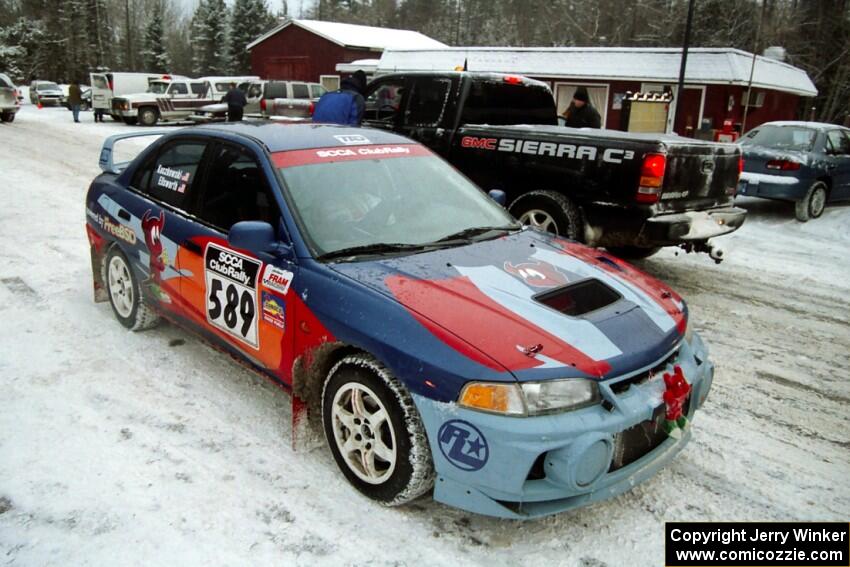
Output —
(355, 36)
(660, 65)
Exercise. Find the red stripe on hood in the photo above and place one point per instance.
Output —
(460, 315)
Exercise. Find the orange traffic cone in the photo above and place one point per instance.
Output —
(40, 106)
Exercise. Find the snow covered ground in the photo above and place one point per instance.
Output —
(153, 448)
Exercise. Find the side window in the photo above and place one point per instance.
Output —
(255, 90)
(172, 177)
(300, 90)
(200, 89)
(178, 88)
(838, 142)
(316, 91)
(384, 103)
(236, 191)
(427, 102)
(275, 89)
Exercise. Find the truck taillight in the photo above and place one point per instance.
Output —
(651, 178)
(783, 165)
(312, 108)
(740, 165)
(513, 80)
(263, 104)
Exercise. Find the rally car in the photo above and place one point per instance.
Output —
(437, 342)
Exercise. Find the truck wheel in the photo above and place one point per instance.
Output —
(148, 116)
(550, 212)
(632, 252)
(7, 117)
(813, 203)
(125, 293)
(375, 433)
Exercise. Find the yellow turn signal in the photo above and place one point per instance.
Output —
(493, 397)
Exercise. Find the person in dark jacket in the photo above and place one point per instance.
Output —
(236, 102)
(344, 106)
(580, 113)
(75, 99)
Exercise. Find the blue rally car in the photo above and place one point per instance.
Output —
(804, 162)
(437, 342)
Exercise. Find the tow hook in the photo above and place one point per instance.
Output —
(714, 252)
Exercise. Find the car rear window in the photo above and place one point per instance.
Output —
(276, 89)
(501, 103)
(781, 137)
(300, 90)
(100, 82)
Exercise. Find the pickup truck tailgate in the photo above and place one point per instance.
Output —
(698, 174)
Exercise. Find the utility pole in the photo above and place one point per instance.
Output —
(129, 62)
(752, 72)
(685, 45)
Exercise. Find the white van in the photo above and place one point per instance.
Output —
(105, 86)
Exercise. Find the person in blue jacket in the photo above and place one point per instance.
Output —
(344, 106)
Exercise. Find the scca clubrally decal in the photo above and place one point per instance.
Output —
(231, 293)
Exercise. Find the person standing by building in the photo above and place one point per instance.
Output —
(344, 106)
(75, 99)
(580, 113)
(236, 102)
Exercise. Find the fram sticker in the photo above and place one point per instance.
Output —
(463, 445)
(274, 310)
(277, 279)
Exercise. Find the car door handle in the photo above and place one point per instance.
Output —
(122, 214)
(192, 247)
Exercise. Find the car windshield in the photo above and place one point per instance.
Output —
(402, 201)
(157, 87)
(46, 87)
(781, 138)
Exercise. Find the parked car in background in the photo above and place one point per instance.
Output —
(45, 92)
(217, 111)
(804, 162)
(292, 99)
(106, 86)
(10, 101)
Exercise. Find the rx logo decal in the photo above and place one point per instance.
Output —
(463, 445)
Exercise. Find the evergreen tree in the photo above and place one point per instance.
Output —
(249, 20)
(154, 54)
(209, 38)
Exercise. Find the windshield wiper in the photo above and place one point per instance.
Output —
(476, 231)
(376, 248)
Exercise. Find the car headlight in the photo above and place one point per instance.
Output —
(530, 398)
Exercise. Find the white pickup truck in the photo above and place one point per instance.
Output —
(171, 98)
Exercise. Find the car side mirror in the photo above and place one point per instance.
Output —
(499, 196)
(256, 236)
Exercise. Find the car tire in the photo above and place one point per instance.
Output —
(130, 121)
(632, 252)
(7, 117)
(148, 116)
(125, 293)
(813, 203)
(550, 212)
(364, 407)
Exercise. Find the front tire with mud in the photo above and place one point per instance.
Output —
(375, 433)
(551, 212)
(125, 293)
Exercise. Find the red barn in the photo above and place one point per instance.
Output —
(716, 79)
(308, 50)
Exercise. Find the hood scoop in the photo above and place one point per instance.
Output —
(579, 298)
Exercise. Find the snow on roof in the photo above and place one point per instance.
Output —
(705, 65)
(351, 35)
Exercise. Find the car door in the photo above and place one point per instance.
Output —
(253, 94)
(838, 158)
(150, 220)
(424, 111)
(238, 296)
(385, 103)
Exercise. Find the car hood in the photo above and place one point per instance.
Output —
(484, 300)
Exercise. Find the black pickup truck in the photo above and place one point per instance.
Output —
(631, 193)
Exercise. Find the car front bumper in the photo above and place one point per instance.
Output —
(523, 468)
(771, 186)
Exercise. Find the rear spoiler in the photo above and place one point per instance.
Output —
(106, 153)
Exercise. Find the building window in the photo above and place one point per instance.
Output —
(330, 82)
(756, 99)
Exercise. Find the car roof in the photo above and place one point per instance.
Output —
(283, 136)
(804, 124)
